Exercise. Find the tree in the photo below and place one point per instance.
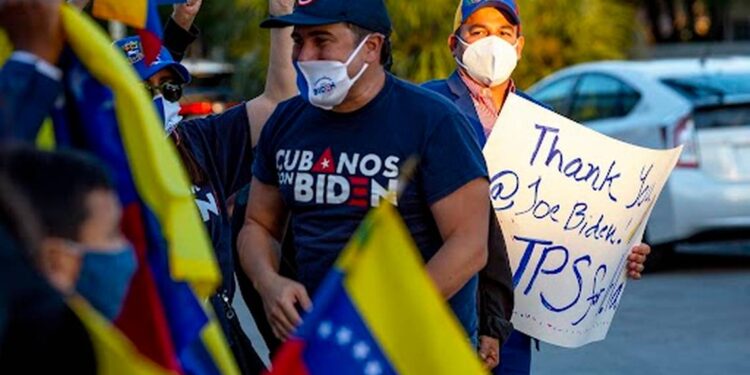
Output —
(558, 33)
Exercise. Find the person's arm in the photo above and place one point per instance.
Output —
(179, 32)
(495, 297)
(464, 232)
(29, 81)
(281, 76)
(259, 255)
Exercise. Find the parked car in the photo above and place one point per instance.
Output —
(703, 104)
(210, 92)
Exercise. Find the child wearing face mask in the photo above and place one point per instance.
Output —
(83, 250)
(35, 322)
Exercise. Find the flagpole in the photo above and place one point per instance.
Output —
(406, 174)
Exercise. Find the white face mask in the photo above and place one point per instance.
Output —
(169, 112)
(490, 60)
(327, 82)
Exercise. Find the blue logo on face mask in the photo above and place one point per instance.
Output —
(323, 86)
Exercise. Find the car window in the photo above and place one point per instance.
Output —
(599, 96)
(557, 94)
(705, 87)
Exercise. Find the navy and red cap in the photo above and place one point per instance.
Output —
(133, 50)
(467, 7)
(367, 14)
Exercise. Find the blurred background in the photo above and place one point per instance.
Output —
(559, 33)
(684, 80)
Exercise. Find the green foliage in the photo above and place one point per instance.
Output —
(558, 33)
(230, 29)
(420, 38)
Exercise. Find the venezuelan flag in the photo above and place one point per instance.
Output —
(108, 113)
(139, 14)
(377, 313)
(115, 354)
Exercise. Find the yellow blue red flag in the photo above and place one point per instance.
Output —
(115, 354)
(378, 313)
(139, 14)
(108, 113)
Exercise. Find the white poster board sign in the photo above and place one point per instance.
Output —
(571, 203)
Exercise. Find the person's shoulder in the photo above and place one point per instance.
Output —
(531, 99)
(294, 102)
(287, 110)
(285, 116)
(435, 84)
(234, 113)
(428, 99)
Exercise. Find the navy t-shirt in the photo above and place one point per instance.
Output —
(222, 148)
(331, 168)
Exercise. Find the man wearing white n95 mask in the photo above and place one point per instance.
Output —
(487, 44)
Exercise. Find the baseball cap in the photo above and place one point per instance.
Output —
(134, 52)
(368, 14)
(467, 7)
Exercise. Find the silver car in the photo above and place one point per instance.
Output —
(703, 104)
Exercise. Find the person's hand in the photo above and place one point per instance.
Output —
(280, 298)
(280, 7)
(184, 14)
(489, 351)
(637, 257)
(34, 26)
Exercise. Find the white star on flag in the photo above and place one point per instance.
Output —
(325, 163)
(325, 329)
(361, 350)
(373, 368)
(344, 336)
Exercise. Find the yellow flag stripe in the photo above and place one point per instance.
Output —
(386, 281)
(5, 47)
(215, 342)
(158, 174)
(115, 354)
(130, 12)
(45, 140)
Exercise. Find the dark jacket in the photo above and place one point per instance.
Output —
(39, 334)
(26, 98)
(495, 280)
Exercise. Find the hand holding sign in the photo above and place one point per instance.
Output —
(636, 260)
(572, 203)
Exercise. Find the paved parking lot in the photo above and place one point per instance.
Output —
(692, 318)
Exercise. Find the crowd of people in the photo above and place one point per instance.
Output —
(305, 161)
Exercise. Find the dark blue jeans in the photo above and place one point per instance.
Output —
(515, 358)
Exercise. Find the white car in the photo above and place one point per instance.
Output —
(703, 104)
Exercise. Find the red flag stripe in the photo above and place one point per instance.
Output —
(143, 318)
(289, 360)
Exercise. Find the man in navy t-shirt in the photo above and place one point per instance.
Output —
(328, 156)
